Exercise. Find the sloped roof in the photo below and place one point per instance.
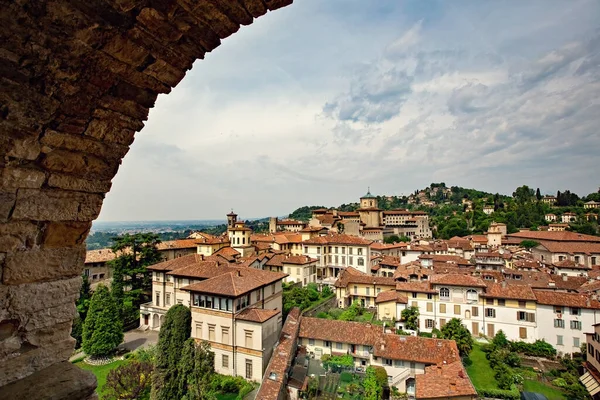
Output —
(254, 314)
(444, 381)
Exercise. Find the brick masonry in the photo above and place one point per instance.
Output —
(78, 80)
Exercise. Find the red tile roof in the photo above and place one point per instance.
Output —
(235, 282)
(259, 315)
(514, 292)
(178, 244)
(444, 381)
(391, 295)
(555, 298)
(339, 331)
(416, 348)
(100, 255)
(556, 236)
(457, 280)
(275, 378)
(419, 287)
(338, 239)
(570, 264)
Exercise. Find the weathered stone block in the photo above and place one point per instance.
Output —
(255, 7)
(65, 234)
(78, 184)
(42, 264)
(61, 381)
(82, 165)
(165, 72)
(14, 177)
(7, 203)
(29, 299)
(125, 50)
(18, 235)
(32, 359)
(82, 144)
(56, 205)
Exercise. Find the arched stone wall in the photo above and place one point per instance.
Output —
(78, 79)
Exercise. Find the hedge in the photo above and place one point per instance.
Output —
(512, 394)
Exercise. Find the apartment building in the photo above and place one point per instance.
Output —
(299, 269)
(237, 310)
(556, 246)
(403, 357)
(336, 252)
(286, 224)
(354, 286)
(95, 267)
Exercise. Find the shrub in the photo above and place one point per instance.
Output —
(511, 394)
(504, 376)
(346, 377)
(323, 314)
(540, 348)
(559, 382)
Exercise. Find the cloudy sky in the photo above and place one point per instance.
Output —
(315, 102)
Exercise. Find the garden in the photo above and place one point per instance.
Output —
(496, 370)
(304, 298)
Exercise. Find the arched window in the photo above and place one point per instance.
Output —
(471, 294)
(445, 293)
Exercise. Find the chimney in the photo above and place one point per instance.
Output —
(238, 273)
(504, 284)
(565, 278)
(202, 257)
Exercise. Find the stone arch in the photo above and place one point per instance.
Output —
(161, 319)
(78, 79)
(155, 321)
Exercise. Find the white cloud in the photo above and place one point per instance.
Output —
(311, 110)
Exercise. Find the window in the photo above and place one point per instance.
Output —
(388, 362)
(311, 342)
(429, 323)
(559, 340)
(199, 330)
(576, 342)
(211, 332)
(443, 308)
(349, 250)
(398, 363)
(225, 361)
(414, 304)
(445, 293)
(368, 290)
(327, 343)
(248, 338)
(490, 313)
(575, 311)
(248, 369)
(360, 251)
(593, 260)
(525, 316)
(577, 259)
(414, 295)
(343, 260)
(429, 296)
(258, 295)
(355, 289)
(442, 322)
(343, 250)
(336, 259)
(350, 260)
(429, 307)
(558, 310)
(590, 349)
(361, 262)
(168, 299)
(318, 250)
(522, 304)
(523, 333)
(225, 334)
(576, 325)
(475, 311)
(471, 295)
(489, 302)
(456, 309)
(157, 303)
(501, 302)
(559, 323)
(339, 345)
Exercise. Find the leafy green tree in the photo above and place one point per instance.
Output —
(523, 194)
(340, 227)
(128, 381)
(528, 244)
(130, 276)
(196, 369)
(103, 329)
(500, 340)
(83, 303)
(410, 316)
(176, 329)
(455, 330)
(392, 239)
(371, 387)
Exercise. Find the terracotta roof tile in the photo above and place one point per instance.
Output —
(346, 278)
(416, 348)
(457, 280)
(338, 239)
(391, 295)
(563, 236)
(515, 292)
(235, 282)
(444, 381)
(253, 314)
(339, 331)
(419, 287)
(555, 298)
(100, 255)
(178, 244)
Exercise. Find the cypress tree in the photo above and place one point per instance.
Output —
(176, 329)
(103, 329)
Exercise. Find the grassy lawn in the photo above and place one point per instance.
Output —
(101, 371)
(480, 372)
(548, 391)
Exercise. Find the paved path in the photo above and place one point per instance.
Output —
(132, 340)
